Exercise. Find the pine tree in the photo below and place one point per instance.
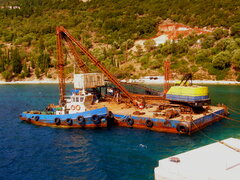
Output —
(16, 61)
(37, 72)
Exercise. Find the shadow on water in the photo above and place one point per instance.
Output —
(34, 152)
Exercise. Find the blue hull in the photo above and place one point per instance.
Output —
(92, 118)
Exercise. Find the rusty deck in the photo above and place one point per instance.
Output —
(153, 119)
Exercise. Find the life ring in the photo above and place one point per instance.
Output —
(72, 107)
(183, 128)
(149, 123)
(96, 119)
(69, 121)
(57, 121)
(141, 106)
(77, 107)
(81, 119)
(36, 118)
(130, 121)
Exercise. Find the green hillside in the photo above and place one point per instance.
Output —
(108, 28)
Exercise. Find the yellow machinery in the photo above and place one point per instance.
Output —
(187, 93)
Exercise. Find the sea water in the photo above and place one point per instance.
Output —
(33, 152)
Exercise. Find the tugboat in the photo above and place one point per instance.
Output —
(74, 111)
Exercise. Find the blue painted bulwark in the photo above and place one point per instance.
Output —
(187, 125)
(77, 118)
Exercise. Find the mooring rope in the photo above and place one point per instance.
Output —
(236, 120)
(227, 145)
(233, 110)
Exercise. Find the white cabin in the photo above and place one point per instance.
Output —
(80, 99)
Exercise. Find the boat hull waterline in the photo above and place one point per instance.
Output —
(88, 119)
(179, 126)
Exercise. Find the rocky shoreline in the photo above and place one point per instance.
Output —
(140, 81)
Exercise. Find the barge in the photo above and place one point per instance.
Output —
(168, 120)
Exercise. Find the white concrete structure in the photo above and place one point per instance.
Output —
(161, 39)
(147, 80)
(213, 162)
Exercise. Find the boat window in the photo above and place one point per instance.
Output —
(73, 99)
(77, 99)
(81, 99)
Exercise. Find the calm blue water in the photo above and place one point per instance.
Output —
(32, 152)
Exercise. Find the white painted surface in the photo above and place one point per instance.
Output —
(161, 39)
(88, 80)
(212, 162)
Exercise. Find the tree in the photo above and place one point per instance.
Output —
(139, 51)
(181, 47)
(208, 42)
(16, 61)
(43, 60)
(26, 70)
(235, 30)
(219, 33)
(37, 72)
(222, 44)
(2, 61)
(203, 56)
(236, 58)
(149, 45)
(7, 75)
(167, 48)
(222, 60)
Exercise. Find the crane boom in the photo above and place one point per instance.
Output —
(62, 33)
(74, 52)
(60, 67)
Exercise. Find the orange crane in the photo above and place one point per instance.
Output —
(63, 34)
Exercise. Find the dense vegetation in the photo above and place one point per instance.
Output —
(109, 28)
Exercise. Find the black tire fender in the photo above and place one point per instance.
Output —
(36, 118)
(183, 128)
(57, 121)
(69, 121)
(110, 115)
(130, 121)
(149, 123)
(81, 119)
(95, 118)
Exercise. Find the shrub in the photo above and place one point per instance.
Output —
(238, 77)
(7, 75)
